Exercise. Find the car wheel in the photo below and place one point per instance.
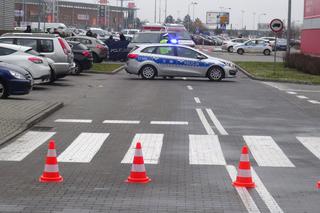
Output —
(148, 72)
(230, 49)
(240, 51)
(3, 90)
(53, 76)
(78, 68)
(216, 74)
(266, 52)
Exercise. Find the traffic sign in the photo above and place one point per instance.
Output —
(276, 25)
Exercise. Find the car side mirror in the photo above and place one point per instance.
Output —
(201, 57)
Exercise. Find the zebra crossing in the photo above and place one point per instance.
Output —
(203, 149)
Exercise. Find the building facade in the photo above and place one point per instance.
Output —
(75, 14)
(7, 14)
(310, 35)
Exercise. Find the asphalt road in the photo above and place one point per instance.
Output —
(191, 130)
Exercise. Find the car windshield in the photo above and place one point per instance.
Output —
(146, 38)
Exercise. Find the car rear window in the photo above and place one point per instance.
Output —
(6, 51)
(146, 38)
(149, 50)
(32, 52)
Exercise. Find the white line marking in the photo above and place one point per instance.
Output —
(204, 121)
(170, 122)
(184, 78)
(302, 97)
(205, 150)
(243, 192)
(151, 148)
(120, 122)
(265, 195)
(216, 122)
(291, 93)
(83, 148)
(266, 152)
(73, 121)
(24, 145)
(314, 101)
(197, 100)
(189, 87)
(312, 144)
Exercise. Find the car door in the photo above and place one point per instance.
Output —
(260, 46)
(250, 46)
(189, 62)
(166, 60)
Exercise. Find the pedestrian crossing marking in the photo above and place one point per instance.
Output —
(24, 145)
(205, 150)
(312, 144)
(151, 148)
(73, 121)
(83, 148)
(266, 152)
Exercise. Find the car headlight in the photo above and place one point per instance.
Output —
(17, 75)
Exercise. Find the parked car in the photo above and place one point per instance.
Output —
(254, 46)
(82, 56)
(201, 40)
(48, 45)
(228, 45)
(101, 34)
(145, 37)
(14, 80)
(98, 48)
(37, 66)
(281, 44)
(167, 60)
(129, 33)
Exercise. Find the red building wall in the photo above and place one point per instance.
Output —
(310, 36)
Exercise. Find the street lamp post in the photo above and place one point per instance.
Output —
(289, 27)
(242, 11)
(254, 21)
(193, 6)
(262, 14)
(155, 11)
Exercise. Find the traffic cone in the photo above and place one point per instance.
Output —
(51, 168)
(138, 172)
(318, 184)
(244, 177)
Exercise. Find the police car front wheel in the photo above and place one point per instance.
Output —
(215, 74)
(148, 72)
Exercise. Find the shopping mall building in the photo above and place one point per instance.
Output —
(72, 13)
(310, 35)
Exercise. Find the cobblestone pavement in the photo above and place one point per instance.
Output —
(17, 115)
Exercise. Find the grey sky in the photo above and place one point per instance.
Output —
(273, 9)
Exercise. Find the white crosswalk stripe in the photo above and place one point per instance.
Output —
(151, 148)
(266, 152)
(84, 148)
(24, 145)
(205, 150)
(312, 144)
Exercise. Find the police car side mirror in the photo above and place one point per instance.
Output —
(201, 57)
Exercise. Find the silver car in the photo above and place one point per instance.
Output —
(167, 60)
(254, 46)
(48, 45)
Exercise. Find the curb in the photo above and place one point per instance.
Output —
(29, 122)
(269, 80)
(112, 73)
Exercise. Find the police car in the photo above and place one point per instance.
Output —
(168, 60)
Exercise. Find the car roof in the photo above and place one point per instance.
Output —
(15, 47)
(39, 35)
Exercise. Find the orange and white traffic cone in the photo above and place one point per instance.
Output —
(51, 168)
(244, 177)
(138, 172)
(318, 184)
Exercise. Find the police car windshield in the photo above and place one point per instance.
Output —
(146, 38)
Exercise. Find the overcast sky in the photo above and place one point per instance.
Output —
(273, 9)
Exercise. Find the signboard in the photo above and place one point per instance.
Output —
(131, 5)
(104, 2)
(83, 17)
(18, 13)
(218, 18)
(312, 9)
(276, 25)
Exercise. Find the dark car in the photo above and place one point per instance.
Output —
(14, 80)
(82, 56)
(200, 40)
